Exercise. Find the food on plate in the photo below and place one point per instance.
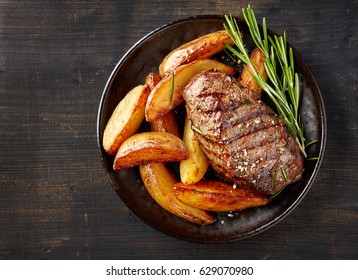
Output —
(125, 119)
(227, 126)
(257, 58)
(241, 136)
(219, 196)
(152, 79)
(283, 86)
(199, 48)
(159, 182)
(166, 95)
(168, 122)
(195, 166)
(147, 147)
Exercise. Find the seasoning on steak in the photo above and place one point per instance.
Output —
(241, 136)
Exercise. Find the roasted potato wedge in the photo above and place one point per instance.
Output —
(147, 147)
(202, 47)
(159, 182)
(152, 79)
(257, 58)
(166, 123)
(125, 119)
(162, 98)
(218, 196)
(193, 168)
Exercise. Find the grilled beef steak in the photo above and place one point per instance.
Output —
(242, 137)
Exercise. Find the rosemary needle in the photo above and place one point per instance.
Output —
(172, 89)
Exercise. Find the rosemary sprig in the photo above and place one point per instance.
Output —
(198, 130)
(172, 89)
(284, 173)
(273, 179)
(283, 90)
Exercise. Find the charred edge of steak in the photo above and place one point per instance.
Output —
(241, 136)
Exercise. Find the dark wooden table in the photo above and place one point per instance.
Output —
(56, 201)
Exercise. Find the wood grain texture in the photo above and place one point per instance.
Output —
(56, 201)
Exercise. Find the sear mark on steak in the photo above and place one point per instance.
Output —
(241, 136)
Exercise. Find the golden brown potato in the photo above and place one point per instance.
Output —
(162, 99)
(152, 79)
(166, 123)
(147, 147)
(246, 80)
(202, 47)
(159, 182)
(193, 168)
(125, 119)
(219, 196)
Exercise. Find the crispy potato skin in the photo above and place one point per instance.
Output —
(202, 47)
(125, 119)
(219, 196)
(159, 182)
(166, 123)
(257, 57)
(147, 147)
(152, 79)
(195, 166)
(161, 101)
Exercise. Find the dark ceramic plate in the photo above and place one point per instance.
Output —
(144, 57)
